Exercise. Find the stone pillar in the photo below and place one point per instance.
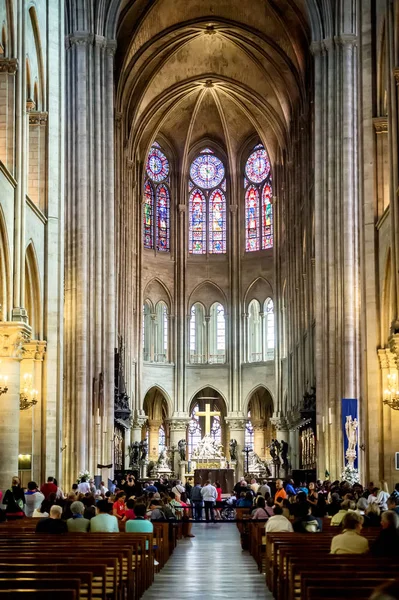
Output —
(153, 439)
(259, 437)
(137, 427)
(293, 452)
(178, 429)
(12, 338)
(237, 432)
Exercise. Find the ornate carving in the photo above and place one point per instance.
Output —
(394, 345)
(13, 336)
(235, 422)
(210, 30)
(100, 41)
(38, 118)
(280, 423)
(139, 421)
(380, 124)
(111, 47)
(209, 83)
(35, 349)
(178, 424)
(346, 39)
(81, 38)
(387, 358)
(182, 208)
(8, 65)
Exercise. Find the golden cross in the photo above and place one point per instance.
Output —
(208, 414)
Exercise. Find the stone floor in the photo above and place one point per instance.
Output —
(209, 566)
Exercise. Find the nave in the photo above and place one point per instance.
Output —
(211, 565)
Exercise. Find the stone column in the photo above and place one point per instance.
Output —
(178, 429)
(153, 439)
(12, 338)
(237, 432)
(180, 351)
(137, 427)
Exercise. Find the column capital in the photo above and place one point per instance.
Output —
(387, 358)
(380, 124)
(345, 39)
(258, 425)
(280, 423)
(139, 421)
(178, 423)
(80, 38)
(182, 208)
(34, 349)
(13, 336)
(38, 118)
(9, 65)
(236, 422)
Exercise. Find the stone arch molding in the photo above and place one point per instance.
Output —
(155, 291)
(162, 391)
(260, 289)
(207, 293)
(207, 385)
(33, 291)
(259, 386)
(5, 283)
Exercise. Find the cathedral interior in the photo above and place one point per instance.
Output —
(198, 206)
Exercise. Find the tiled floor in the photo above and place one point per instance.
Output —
(209, 566)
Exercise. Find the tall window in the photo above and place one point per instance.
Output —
(161, 337)
(217, 334)
(147, 331)
(156, 209)
(194, 431)
(249, 433)
(197, 334)
(216, 429)
(207, 205)
(161, 439)
(255, 353)
(258, 206)
(269, 327)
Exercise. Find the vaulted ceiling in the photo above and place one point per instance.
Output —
(220, 69)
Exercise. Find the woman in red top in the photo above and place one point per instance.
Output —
(119, 508)
(218, 499)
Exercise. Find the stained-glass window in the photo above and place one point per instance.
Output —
(157, 165)
(197, 225)
(194, 431)
(156, 209)
(269, 327)
(161, 439)
(207, 205)
(163, 212)
(207, 171)
(249, 433)
(148, 224)
(258, 201)
(217, 222)
(252, 219)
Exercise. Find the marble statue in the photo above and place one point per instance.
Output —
(256, 465)
(208, 449)
(351, 432)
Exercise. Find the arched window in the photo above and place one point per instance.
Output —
(217, 334)
(156, 209)
(197, 334)
(194, 431)
(258, 206)
(255, 353)
(147, 331)
(207, 205)
(249, 433)
(269, 328)
(161, 439)
(216, 429)
(161, 337)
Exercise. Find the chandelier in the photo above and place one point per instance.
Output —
(3, 384)
(28, 396)
(391, 394)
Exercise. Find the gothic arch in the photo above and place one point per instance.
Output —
(32, 292)
(207, 293)
(207, 386)
(259, 289)
(255, 389)
(5, 283)
(156, 290)
(158, 389)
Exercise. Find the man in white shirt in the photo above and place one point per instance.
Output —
(209, 496)
(278, 523)
(84, 487)
(265, 489)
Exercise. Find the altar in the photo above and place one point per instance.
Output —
(224, 476)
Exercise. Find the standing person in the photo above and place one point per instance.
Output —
(129, 487)
(53, 523)
(178, 490)
(289, 488)
(265, 488)
(103, 489)
(254, 486)
(188, 488)
(196, 501)
(14, 500)
(77, 522)
(84, 487)
(218, 499)
(280, 494)
(33, 498)
(209, 496)
(103, 522)
(49, 488)
(350, 541)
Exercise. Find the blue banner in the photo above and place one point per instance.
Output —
(349, 409)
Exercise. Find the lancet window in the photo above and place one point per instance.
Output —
(258, 201)
(207, 205)
(156, 205)
(207, 334)
(249, 433)
(194, 431)
(260, 331)
(155, 335)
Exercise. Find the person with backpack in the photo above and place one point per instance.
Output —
(14, 500)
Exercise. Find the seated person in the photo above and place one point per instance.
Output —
(305, 521)
(103, 522)
(335, 504)
(346, 506)
(77, 522)
(129, 512)
(261, 513)
(387, 543)
(53, 523)
(176, 506)
(139, 524)
(373, 515)
(278, 523)
(246, 501)
(350, 541)
(393, 503)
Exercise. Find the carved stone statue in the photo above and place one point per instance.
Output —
(208, 449)
(275, 448)
(233, 449)
(351, 432)
(182, 449)
(143, 450)
(256, 465)
(134, 454)
(163, 459)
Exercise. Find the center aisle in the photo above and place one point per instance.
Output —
(209, 566)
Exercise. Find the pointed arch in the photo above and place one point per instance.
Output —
(32, 292)
(260, 289)
(157, 403)
(5, 283)
(156, 290)
(207, 292)
(256, 395)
